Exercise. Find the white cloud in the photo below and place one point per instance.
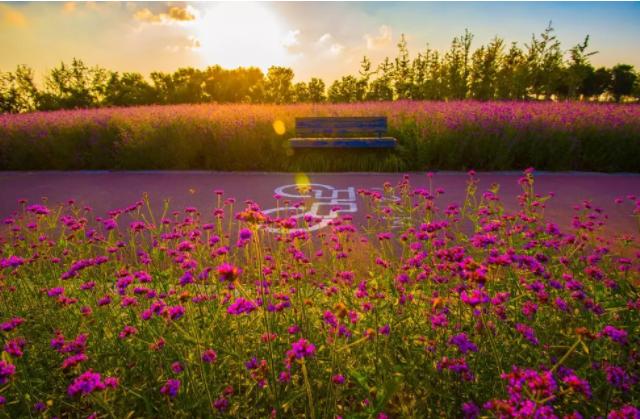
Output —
(189, 43)
(291, 38)
(324, 39)
(382, 40)
(336, 48)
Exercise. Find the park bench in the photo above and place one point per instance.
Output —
(342, 132)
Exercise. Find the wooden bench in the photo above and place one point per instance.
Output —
(342, 132)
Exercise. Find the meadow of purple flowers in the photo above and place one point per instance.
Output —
(467, 310)
(431, 135)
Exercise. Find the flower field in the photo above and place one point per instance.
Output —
(431, 135)
(465, 310)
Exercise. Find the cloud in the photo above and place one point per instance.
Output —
(336, 48)
(173, 14)
(327, 43)
(291, 39)
(382, 40)
(324, 39)
(12, 17)
(189, 43)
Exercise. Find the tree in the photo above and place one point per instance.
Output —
(456, 64)
(18, 92)
(128, 89)
(623, 77)
(73, 86)
(278, 87)
(347, 89)
(300, 93)
(513, 75)
(544, 64)
(579, 69)
(485, 66)
(402, 74)
(316, 90)
(237, 85)
(381, 88)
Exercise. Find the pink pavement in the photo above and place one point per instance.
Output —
(104, 191)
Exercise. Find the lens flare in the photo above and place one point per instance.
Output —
(279, 127)
(302, 183)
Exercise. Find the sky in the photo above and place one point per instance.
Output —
(315, 39)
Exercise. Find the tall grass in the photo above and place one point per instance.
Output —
(431, 135)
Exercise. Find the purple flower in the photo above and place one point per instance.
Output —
(175, 312)
(241, 306)
(338, 379)
(302, 349)
(578, 384)
(86, 383)
(463, 343)
(74, 360)
(475, 297)
(6, 371)
(228, 272)
(171, 388)
(245, 234)
(54, 292)
(528, 333)
(625, 412)
(209, 356)
(14, 347)
(221, 404)
(11, 261)
(187, 278)
(39, 406)
(616, 335)
(470, 410)
(38, 209)
(177, 367)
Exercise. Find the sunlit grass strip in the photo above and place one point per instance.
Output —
(431, 135)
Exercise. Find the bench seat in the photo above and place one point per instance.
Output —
(332, 142)
(342, 132)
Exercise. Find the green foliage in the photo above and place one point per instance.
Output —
(540, 71)
(623, 78)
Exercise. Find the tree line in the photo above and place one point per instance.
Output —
(540, 70)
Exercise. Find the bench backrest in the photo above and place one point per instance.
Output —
(341, 126)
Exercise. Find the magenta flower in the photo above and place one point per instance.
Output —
(6, 371)
(528, 333)
(177, 367)
(240, 306)
(175, 312)
(221, 404)
(11, 262)
(338, 379)
(209, 356)
(463, 343)
(86, 383)
(228, 272)
(74, 360)
(245, 234)
(302, 349)
(171, 388)
(475, 297)
(15, 347)
(616, 335)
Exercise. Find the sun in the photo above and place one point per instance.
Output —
(241, 34)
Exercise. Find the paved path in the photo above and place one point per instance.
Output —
(109, 190)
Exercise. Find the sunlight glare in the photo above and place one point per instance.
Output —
(241, 34)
